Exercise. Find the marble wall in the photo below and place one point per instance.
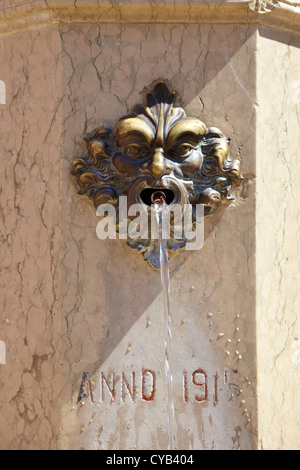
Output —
(112, 301)
(277, 235)
(31, 234)
(81, 317)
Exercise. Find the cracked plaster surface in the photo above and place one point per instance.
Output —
(74, 304)
(113, 299)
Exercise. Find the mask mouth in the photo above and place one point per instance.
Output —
(147, 195)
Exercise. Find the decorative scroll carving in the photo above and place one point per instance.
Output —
(157, 147)
(263, 6)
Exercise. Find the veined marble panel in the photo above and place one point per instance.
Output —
(112, 299)
(81, 319)
(31, 231)
(277, 228)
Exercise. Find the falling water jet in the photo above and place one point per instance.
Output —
(159, 200)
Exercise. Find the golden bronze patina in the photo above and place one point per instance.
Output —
(158, 148)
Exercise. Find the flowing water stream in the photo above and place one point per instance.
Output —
(160, 207)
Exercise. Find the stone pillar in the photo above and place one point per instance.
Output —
(82, 353)
(277, 227)
(31, 237)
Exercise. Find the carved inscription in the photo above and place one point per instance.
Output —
(197, 386)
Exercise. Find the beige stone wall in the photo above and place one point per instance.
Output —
(73, 304)
(31, 230)
(111, 295)
(277, 235)
(99, 297)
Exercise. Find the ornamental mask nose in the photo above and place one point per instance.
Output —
(157, 147)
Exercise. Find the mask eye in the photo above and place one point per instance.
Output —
(183, 150)
(135, 151)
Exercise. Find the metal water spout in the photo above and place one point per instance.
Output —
(159, 198)
(157, 148)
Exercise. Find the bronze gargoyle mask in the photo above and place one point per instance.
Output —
(157, 147)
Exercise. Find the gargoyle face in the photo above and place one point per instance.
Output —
(158, 148)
